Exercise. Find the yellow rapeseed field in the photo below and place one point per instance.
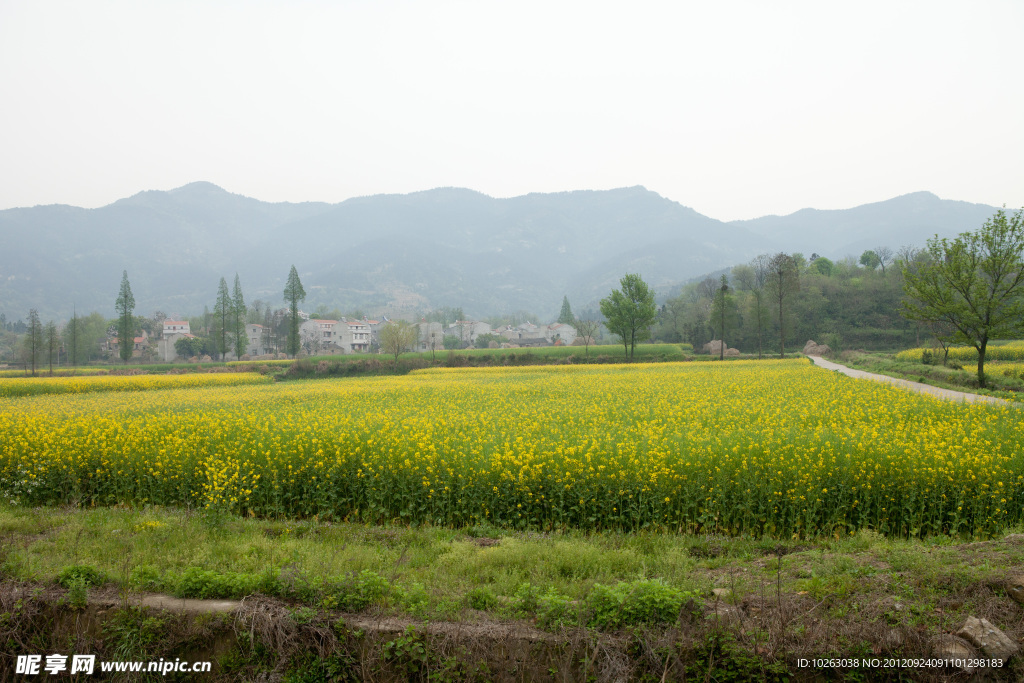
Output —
(30, 386)
(759, 447)
(1013, 351)
(1000, 368)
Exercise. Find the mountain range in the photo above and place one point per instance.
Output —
(403, 255)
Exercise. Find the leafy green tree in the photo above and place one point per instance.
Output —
(238, 313)
(823, 266)
(187, 347)
(783, 280)
(223, 310)
(93, 331)
(33, 340)
(124, 306)
(451, 342)
(397, 337)
(869, 259)
(973, 284)
(566, 317)
(484, 340)
(630, 312)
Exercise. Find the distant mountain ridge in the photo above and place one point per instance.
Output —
(911, 218)
(406, 254)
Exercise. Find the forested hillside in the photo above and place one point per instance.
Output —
(843, 304)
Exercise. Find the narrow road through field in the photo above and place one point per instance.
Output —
(947, 394)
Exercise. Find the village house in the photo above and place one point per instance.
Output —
(318, 337)
(431, 336)
(176, 327)
(559, 333)
(329, 337)
(256, 343)
(354, 336)
(468, 330)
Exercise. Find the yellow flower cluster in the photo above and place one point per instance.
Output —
(760, 447)
(31, 386)
(1004, 369)
(1013, 351)
(65, 371)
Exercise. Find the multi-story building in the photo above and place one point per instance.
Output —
(354, 336)
(176, 327)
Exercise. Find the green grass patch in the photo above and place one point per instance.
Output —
(605, 581)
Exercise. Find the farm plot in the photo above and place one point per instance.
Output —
(33, 386)
(764, 448)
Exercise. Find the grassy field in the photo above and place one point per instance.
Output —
(731, 609)
(774, 448)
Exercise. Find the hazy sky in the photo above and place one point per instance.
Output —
(736, 109)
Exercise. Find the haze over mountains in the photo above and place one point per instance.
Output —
(406, 254)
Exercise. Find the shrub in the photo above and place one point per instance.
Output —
(78, 593)
(555, 610)
(635, 602)
(481, 598)
(415, 598)
(356, 591)
(203, 583)
(80, 574)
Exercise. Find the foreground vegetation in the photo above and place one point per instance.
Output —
(775, 448)
(673, 606)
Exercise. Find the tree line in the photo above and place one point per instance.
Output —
(783, 300)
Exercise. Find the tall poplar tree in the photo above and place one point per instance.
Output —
(293, 294)
(239, 312)
(72, 337)
(51, 340)
(34, 339)
(124, 306)
(222, 310)
(566, 317)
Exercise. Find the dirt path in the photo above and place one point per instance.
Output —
(947, 394)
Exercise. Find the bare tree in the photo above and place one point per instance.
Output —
(466, 331)
(885, 257)
(34, 340)
(752, 278)
(707, 288)
(310, 341)
(587, 330)
(783, 280)
(397, 337)
(908, 254)
(433, 338)
(51, 341)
